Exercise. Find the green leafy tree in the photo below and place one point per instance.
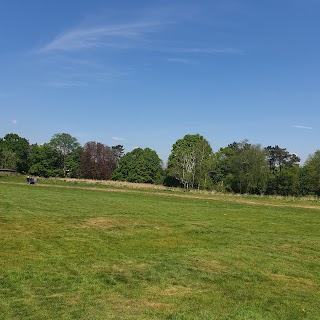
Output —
(45, 161)
(140, 166)
(8, 159)
(253, 169)
(241, 167)
(312, 169)
(188, 162)
(284, 171)
(20, 147)
(70, 150)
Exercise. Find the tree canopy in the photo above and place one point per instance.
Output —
(140, 165)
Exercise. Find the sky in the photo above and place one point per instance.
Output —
(146, 73)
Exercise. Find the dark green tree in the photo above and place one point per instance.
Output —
(45, 161)
(20, 147)
(8, 159)
(312, 170)
(140, 166)
(241, 167)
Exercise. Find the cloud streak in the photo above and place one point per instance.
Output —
(119, 36)
(302, 127)
(118, 139)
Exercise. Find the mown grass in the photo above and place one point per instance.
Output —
(71, 253)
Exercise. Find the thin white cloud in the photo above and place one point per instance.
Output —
(302, 127)
(113, 36)
(14, 121)
(118, 139)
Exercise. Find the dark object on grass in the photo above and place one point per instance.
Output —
(31, 180)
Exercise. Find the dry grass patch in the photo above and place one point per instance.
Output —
(289, 280)
(158, 305)
(171, 291)
(210, 266)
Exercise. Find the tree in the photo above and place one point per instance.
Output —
(45, 161)
(67, 146)
(284, 171)
(189, 159)
(140, 166)
(280, 158)
(253, 169)
(8, 159)
(97, 161)
(20, 147)
(241, 167)
(118, 152)
(312, 169)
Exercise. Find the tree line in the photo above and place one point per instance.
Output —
(240, 167)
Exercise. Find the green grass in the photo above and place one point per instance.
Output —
(71, 253)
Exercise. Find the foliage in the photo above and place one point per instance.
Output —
(118, 152)
(70, 149)
(140, 165)
(189, 161)
(313, 171)
(45, 161)
(13, 143)
(280, 158)
(97, 161)
(241, 167)
(8, 159)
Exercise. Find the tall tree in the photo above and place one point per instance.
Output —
(189, 159)
(67, 146)
(8, 159)
(97, 161)
(253, 169)
(280, 158)
(312, 169)
(140, 166)
(118, 152)
(20, 147)
(45, 161)
(241, 167)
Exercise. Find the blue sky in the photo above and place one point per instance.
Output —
(145, 73)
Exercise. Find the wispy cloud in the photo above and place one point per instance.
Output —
(118, 139)
(302, 127)
(112, 36)
(14, 122)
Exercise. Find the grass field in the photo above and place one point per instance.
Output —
(69, 251)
